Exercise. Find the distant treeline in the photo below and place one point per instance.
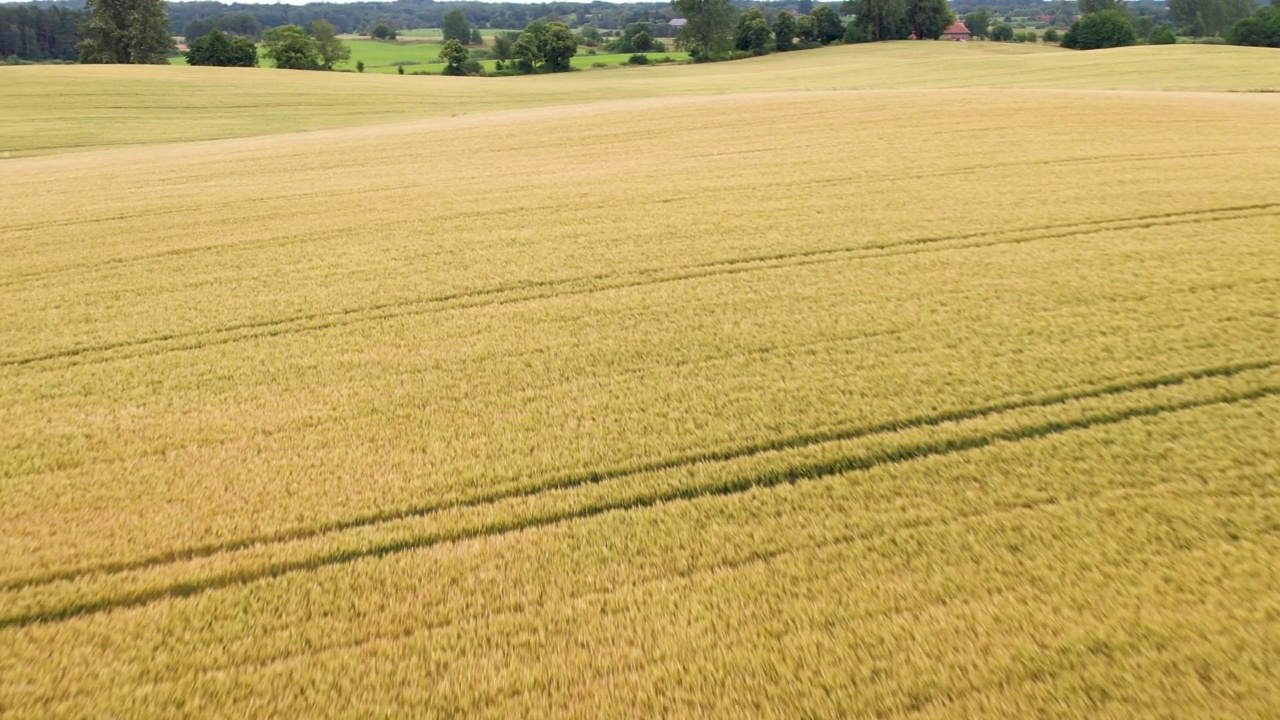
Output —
(46, 29)
(29, 32)
(407, 14)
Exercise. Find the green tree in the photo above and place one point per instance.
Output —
(854, 34)
(827, 27)
(455, 26)
(545, 47)
(752, 33)
(382, 31)
(1051, 35)
(589, 35)
(359, 66)
(1261, 30)
(978, 22)
(134, 32)
(559, 47)
(1001, 32)
(710, 23)
(290, 48)
(217, 49)
(198, 28)
(879, 19)
(626, 43)
(641, 42)
(240, 23)
(1211, 17)
(784, 31)
(1088, 7)
(1162, 35)
(807, 29)
(454, 56)
(328, 46)
(929, 18)
(527, 49)
(1106, 29)
(1143, 25)
(503, 43)
(476, 37)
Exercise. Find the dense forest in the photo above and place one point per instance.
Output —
(37, 33)
(406, 14)
(46, 29)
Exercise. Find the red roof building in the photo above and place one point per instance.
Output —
(957, 31)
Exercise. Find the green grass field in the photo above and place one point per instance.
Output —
(380, 56)
(923, 380)
(387, 57)
(437, 33)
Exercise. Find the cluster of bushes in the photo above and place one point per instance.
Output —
(1261, 30)
(540, 47)
(15, 60)
(639, 59)
(1108, 25)
(216, 48)
(1104, 29)
(317, 48)
(635, 38)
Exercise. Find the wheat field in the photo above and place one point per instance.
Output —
(779, 388)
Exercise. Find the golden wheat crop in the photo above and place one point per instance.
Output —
(59, 108)
(702, 399)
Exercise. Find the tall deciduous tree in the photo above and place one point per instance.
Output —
(929, 18)
(559, 47)
(709, 26)
(455, 26)
(528, 47)
(126, 31)
(1211, 17)
(978, 22)
(752, 34)
(784, 31)
(642, 42)
(503, 44)
(827, 27)
(546, 47)
(879, 19)
(589, 35)
(328, 46)
(454, 56)
(289, 47)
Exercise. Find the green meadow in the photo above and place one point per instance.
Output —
(422, 57)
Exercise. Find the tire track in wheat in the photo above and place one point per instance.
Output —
(593, 284)
(572, 480)
(795, 472)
